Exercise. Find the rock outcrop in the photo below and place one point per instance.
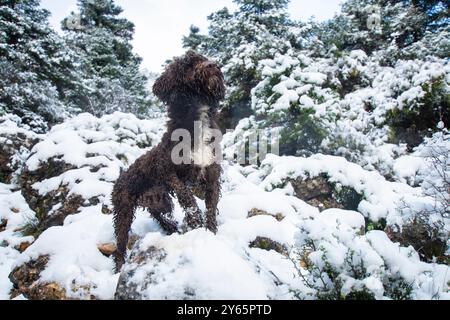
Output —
(129, 289)
(77, 164)
(318, 192)
(26, 282)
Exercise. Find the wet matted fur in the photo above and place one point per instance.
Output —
(191, 87)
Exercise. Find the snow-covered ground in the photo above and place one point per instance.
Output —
(221, 266)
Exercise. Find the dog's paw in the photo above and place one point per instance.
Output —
(212, 226)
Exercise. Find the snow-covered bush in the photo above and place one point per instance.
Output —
(309, 101)
(239, 40)
(16, 141)
(436, 173)
(291, 101)
(257, 203)
(338, 261)
(427, 228)
(423, 96)
(380, 200)
(78, 161)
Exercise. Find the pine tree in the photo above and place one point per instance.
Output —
(194, 40)
(35, 69)
(113, 81)
(437, 12)
(239, 41)
(395, 24)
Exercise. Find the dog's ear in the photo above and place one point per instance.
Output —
(163, 87)
(209, 80)
(191, 54)
(217, 88)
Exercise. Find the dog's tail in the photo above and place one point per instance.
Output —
(124, 201)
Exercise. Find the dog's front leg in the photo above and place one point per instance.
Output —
(212, 192)
(193, 219)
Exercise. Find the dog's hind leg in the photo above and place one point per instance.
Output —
(124, 210)
(160, 206)
(167, 224)
(193, 219)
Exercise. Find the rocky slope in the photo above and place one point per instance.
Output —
(293, 228)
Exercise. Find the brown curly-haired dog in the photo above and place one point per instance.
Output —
(192, 88)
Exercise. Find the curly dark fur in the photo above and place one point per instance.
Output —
(188, 84)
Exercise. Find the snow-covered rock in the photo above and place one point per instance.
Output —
(79, 160)
(72, 170)
(271, 243)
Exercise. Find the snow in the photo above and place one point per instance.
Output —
(91, 135)
(311, 77)
(75, 260)
(356, 122)
(221, 266)
(407, 167)
(380, 196)
(16, 212)
(380, 257)
(206, 264)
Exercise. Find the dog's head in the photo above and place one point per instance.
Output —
(188, 76)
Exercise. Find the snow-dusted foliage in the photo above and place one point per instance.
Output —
(16, 212)
(349, 105)
(91, 68)
(341, 263)
(111, 78)
(432, 169)
(16, 141)
(34, 66)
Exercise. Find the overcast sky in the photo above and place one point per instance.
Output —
(160, 24)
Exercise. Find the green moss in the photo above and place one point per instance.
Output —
(35, 225)
(364, 294)
(3, 176)
(376, 225)
(420, 117)
(303, 133)
(348, 197)
(123, 158)
(398, 288)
